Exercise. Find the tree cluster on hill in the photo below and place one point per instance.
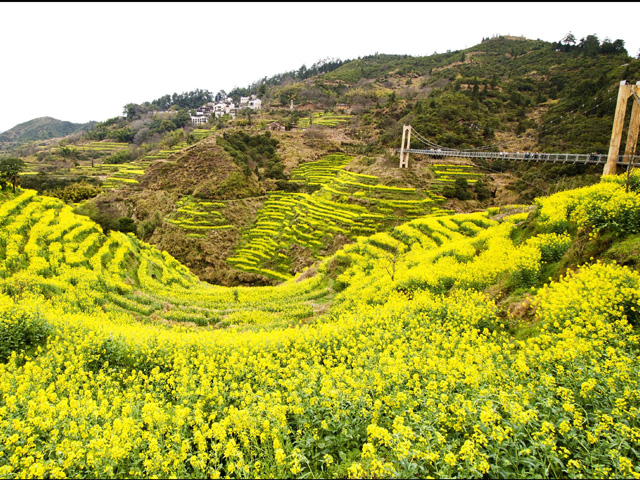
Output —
(259, 87)
(43, 182)
(560, 102)
(140, 123)
(186, 100)
(589, 45)
(254, 152)
(75, 192)
(148, 128)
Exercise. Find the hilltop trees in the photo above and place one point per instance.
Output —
(178, 101)
(589, 45)
(259, 87)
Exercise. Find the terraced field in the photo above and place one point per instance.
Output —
(123, 174)
(447, 173)
(114, 175)
(101, 147)
(326, 119)
(202, 133)
(321, 171)
(348, 204)
(42, 236)
(162, 154)
(438, 349)
(198, 217)
(97, 150)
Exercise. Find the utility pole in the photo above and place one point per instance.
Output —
(626, 91)
(404, 156)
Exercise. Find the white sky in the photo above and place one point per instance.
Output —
(84, 61)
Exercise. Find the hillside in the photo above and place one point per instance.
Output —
(267, 295)
(470, 97)
(232, 200)
(43, 128)
(502, 343)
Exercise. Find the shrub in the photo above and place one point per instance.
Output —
(634, 180)
(123, 156)
(74, 193)
(602, 206)
(20, 328)
(551, 245)
(126, 225)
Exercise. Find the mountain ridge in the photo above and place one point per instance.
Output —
(43, 128)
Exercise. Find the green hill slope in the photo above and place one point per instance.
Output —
(439, 349)
(512, 92)
(43, 128)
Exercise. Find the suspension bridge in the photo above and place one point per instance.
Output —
(611, 160)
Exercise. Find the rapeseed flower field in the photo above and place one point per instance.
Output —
(393, 358)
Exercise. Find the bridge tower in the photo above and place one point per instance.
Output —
(406, 138)
(626, 91)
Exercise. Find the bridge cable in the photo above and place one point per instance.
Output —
(569, 115)
(547, 130)
(605, 98)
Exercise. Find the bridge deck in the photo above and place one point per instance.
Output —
(588, 158)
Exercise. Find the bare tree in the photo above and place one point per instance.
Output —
(390, 258)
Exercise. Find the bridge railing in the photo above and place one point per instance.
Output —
(584, 158)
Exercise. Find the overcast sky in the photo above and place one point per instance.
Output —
(84, 61)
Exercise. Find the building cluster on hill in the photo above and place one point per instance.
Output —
(224, 107)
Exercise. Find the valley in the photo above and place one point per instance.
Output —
(249, 285)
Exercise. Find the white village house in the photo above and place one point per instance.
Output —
(252, 102)
(224, 107)
(199, 119)
(255, 103)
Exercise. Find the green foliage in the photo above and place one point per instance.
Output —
(321, 66)
(46, 182)
(124, 135)
(126, 224)
(234, 182)
(75, 192)
(122, 156)
(146, 227)
(481, 191)
(459, 190)
(590, 45)
(68, 152)
(462, 189)
(21, 328)
(108, 221)
(101, 130)
(10, 169)
(254, 150)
